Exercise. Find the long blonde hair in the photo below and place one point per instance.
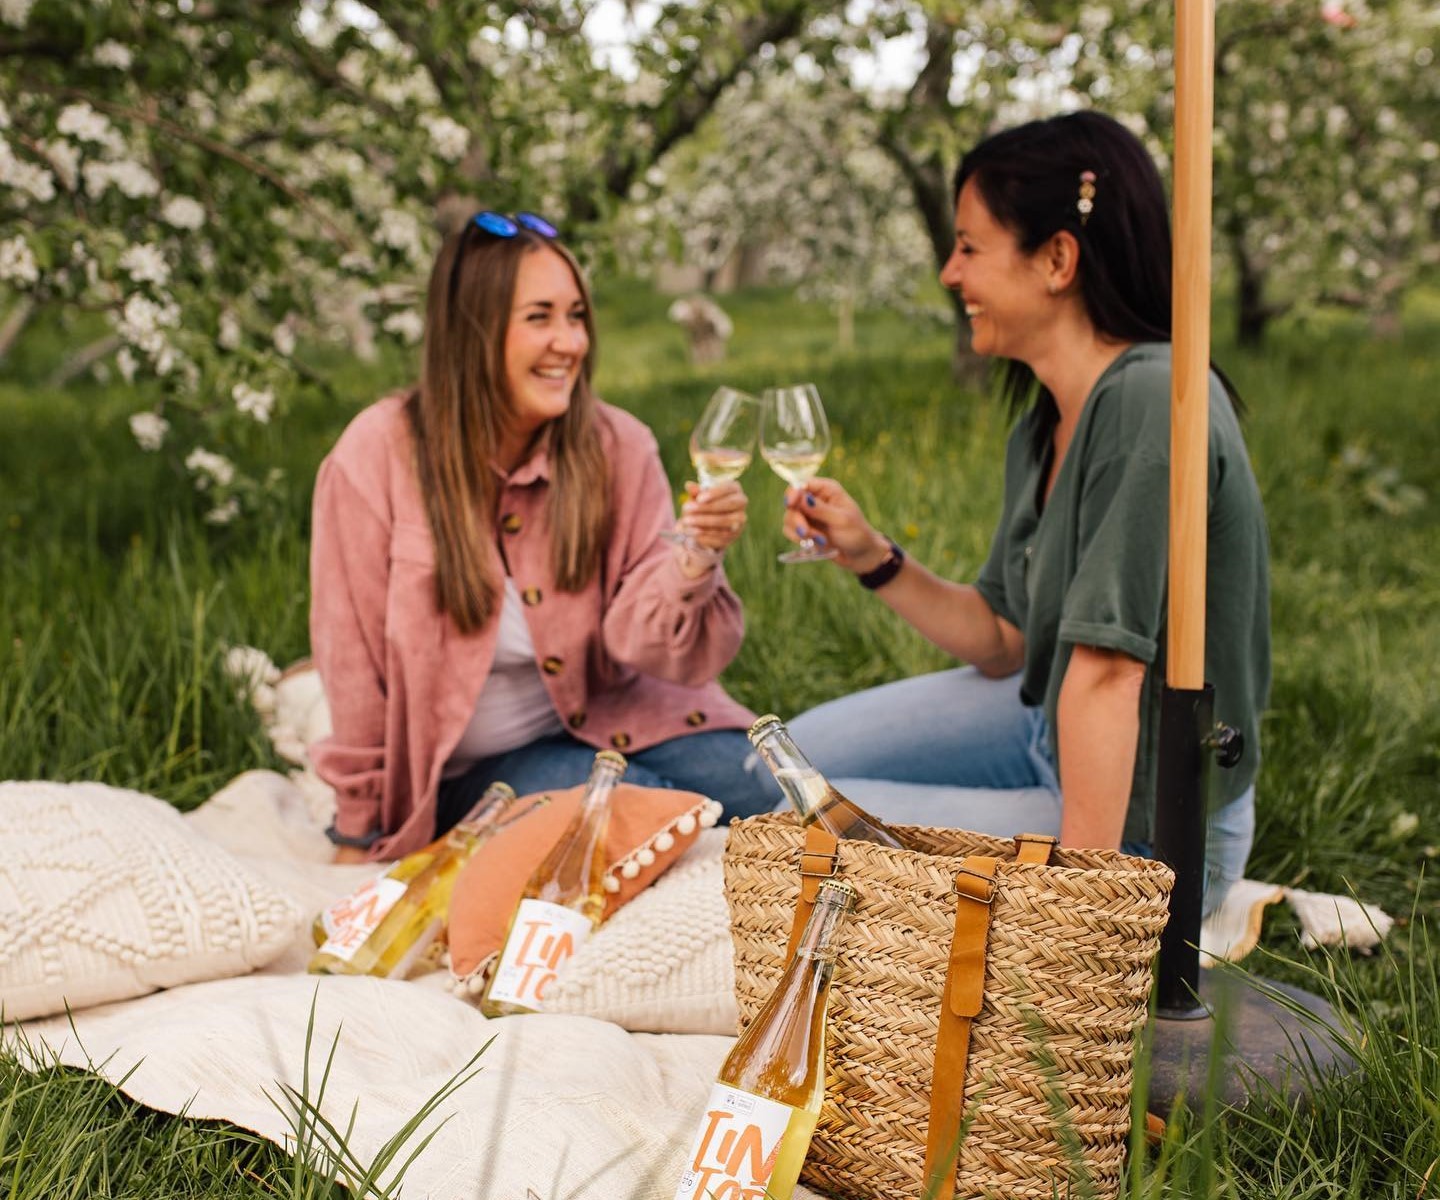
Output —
(458, 414)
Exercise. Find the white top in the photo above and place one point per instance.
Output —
(514, 708)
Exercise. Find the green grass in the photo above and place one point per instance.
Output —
(116, 604)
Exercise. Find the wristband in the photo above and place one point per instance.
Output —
(887, 570)
(363, 842)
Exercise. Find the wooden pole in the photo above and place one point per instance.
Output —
(1190, 381)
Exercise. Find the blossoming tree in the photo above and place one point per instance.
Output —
(221, 178)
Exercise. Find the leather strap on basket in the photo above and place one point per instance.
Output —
(964, 997)
(817, 861)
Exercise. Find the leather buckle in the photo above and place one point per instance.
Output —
(1044, 839)
(833, 857)
(963, 887)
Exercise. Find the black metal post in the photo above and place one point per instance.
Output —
(1187, 718)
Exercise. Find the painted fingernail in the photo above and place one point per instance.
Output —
(800, 529)
(809, 500)
(820, 539)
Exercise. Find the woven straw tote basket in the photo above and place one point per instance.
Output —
(1039, 1095)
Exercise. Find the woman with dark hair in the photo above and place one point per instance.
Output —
(491, 597)
(1062, 259)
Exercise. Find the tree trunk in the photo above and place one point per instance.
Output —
(1252, 314)
(82, 360)
(15, 322)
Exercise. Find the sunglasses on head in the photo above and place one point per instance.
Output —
(502, 226)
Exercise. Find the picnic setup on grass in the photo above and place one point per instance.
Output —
(603, 989)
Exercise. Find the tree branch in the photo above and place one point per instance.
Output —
(217, 148)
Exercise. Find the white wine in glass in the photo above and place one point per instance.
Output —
(722, 444)
(794, 440)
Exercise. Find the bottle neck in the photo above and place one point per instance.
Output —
(802, 784)
(818, 940)
(491, 809)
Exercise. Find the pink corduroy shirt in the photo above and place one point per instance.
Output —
(628, 662)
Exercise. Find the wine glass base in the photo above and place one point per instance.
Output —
(807, 554)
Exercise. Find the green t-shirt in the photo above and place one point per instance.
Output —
(1092, 568)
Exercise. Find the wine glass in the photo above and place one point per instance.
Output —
(721, 445)
(794, 440)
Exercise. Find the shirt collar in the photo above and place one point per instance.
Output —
(535, 469)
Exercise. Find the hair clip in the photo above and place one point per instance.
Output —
(1086, 203)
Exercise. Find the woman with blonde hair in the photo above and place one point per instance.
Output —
(491, 597)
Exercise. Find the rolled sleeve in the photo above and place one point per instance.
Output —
(659, 620)
(1117, 597)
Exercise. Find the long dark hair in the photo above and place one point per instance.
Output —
(458, 414)
(1030, 179)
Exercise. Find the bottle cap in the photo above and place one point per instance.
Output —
(611, 756)
(763, 726)
(839, 892)
(500, 788)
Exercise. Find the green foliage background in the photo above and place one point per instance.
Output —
(116, 604)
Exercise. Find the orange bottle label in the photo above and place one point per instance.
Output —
(542, 938)
(736, 1148)
(350, 921)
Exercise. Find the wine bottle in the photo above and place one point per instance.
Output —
(811, 794)
(561, 904)
(756, 1129)
(388, 924)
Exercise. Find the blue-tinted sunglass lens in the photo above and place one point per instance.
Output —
(496, 223)
(537, 224)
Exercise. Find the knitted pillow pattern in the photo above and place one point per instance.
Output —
(107, 894)
(663, 963)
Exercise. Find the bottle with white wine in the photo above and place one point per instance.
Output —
(561, 904)
(814, 799)
(756, 1130)
(387, 925)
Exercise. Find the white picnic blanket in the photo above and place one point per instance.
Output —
(562, 1106)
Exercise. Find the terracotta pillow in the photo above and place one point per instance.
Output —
(649, 829)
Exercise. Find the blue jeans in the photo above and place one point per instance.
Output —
(957, 749)
(716, 763)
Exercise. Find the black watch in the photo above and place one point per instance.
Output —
(888, 568)
(363, 842)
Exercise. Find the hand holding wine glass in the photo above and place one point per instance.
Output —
(794, 440)
(721, 448)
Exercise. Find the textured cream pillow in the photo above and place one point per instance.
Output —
(106, 894)
(663, 963)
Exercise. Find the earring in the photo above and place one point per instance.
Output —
(1052, 288)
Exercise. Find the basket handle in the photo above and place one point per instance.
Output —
(964, 997)
(818, 860)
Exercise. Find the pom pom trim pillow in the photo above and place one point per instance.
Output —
(649, 828)
(106, 894)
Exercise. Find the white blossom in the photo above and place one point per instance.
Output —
(127, 364)
(228, 336)
(183, 212)
(149, 429)
(401, 231)
(223, 514)
(254, 402)
(64, 161)
(145, 264)
(142, 320)
(357, 261)
(130, 177)
(112, 54)
(15, 12)
(209, 468)
(25, 176)
(283, 338)
(84, 124)
(408, 326)
(4, 116)
(450, 138)
(17, 262)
